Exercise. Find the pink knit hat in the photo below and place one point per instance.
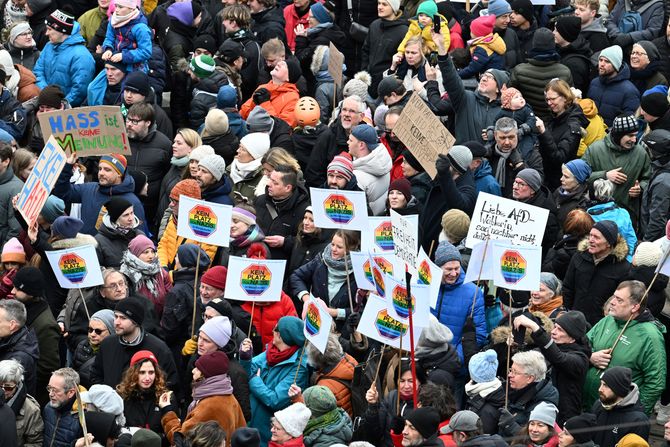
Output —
(139, 244)
(13, 252)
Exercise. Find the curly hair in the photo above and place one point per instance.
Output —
(130, 384)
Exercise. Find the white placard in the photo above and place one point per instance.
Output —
(364, 271)
(379, 235)
(500, 218)
(428, 274)
(252, 279)
(318, 324)
(203, 221)
(516, 267)
(76, 268)
(377, 324)
(477, 257)
(334, 208)
(397, 303)
(405, 240)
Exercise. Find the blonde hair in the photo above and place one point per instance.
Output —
(191, 137)
(277, 156)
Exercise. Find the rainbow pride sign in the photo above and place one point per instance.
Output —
(400, 304)
(251, 279)
(73, 267)
(339, 209)
(202, 220)
(383, 236)
(424, 274)
(318, 324)
(379, 323)
(512, 266)
(76, 268)
(388, 327)
(312, 320)
(255, 279)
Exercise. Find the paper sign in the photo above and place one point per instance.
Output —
(251, 279)
(203, 221)
(423, 133)
(334, 208)
(364, 269)
(405, 240)
(664, 267)
(76, 268)
(335, 64)
(501, 218)
(378, 237)
(377, 324)
(41, 181)
(96, 130)
(398, 305)
(516, 267)
(477, 257)
(427, 273)
(318, 323)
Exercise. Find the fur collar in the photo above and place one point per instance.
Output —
(620, 249)
(78, 241)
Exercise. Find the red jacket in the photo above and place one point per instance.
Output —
(266, 315)
(292, 20)
(283, 99)
(455, 31)
(396, 168)
(293, 442)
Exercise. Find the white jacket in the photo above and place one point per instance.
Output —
(373, 173)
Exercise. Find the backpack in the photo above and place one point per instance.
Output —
(631, 19)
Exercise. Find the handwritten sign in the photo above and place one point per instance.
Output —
(335, 63)
(97, 130)
(334, 208)
(203, 221)
(76, 268)
(405, 240)
(251, 279)
(501, 218)
(41, 181)
(423, 133)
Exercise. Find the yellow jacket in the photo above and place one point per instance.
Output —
(415, 30)
(170, 242)
(595, 130)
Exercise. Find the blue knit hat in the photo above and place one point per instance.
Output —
(188, 256)
(446, 252)
(66, 226)
(53, 208)
(365, 133)
(483, 366)
(227, 97)
(320, 13)
(499, 7)
(580, 169)
(291, 331)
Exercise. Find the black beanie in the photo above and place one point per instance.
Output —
(569, 27)
(102, 426)
(478, 150)
(618, 379)
(116, 206)
(206, 42)
(543, 40)
(294, 71)
(197, 9)
(412, 161)
(426, 420)
(132, 308)
(609, 230)
(581, 427)
(245, 437)
(573, 323)
(655, 104)
(137, 82)
(51, 96)
(523, 8)
(30, 281)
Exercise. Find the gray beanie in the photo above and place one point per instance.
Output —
(106, 316)
(544, 412)
(259, 120)
(532, 177)
(614, 54)
(214, 164)
(551, 281)
(652, 52)
(446, 252)
(460, 158)
(435, 335)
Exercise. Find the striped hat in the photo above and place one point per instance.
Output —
(244, 216)
(116, 161)
(342, 164)
(202, 66)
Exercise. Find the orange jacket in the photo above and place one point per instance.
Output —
(344, 371)
(283, 99)
(266, 315)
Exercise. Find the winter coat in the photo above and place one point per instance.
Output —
(333, 433)
(587, 286)
(204, 97)
(151, 155)
(252, 71)
(486, 441)
(339, 380)
(566, 202)
(224, 145)
(663, 46)
(267, 24)
(522, 403)
(23, 347)
(647, 77)
(526, 38)
(378, 418)
(82, 362)
(488, 406)
(640, 349)
(251, 186)
(596, 128)
(26, 57)
(420, 187)
(266, 316)
(484, 179)
(10, 185)
(329, 143)
(656, 202)
(614, 96)
(558, 257)
(560, 142)
(474, 111)
(269, 389)
(281, 219)
(141, 410)
(112, 243)
(610, 211)
(283, 98)
(532, 77)
(306, 247)
(486, 52)
(304, 143)
(515, 163)
(652, 19)
(175, 37)
(171, 178)
(41, 321)
(29, 423)
(90, 21)
(373, 173)
(291, 20)
(596, 35)
(178, 310)
(305, 49)
(656, 297)
(13, 118)
(577, 57)
(626, 417)
(92, 197)
(68, 65)
(605, 155)
(380, 45)
(454, 306)
(170, 242)
(133, 41)
(61, 425)
(425, 32)
(513, 54)
(219, 192)
(28, 88)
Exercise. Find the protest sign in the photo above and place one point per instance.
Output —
(250, 279)
(664, 266)
(378, 237)
(475, 266)
(398, 304)
(334, 208)
(423, 133)
(377, 324)
(318, 323)
(516, 267)
(202, 221)
(95, 130)
(427, 273)
(364, 263)
(335, 64)
(76, 268)
(499, 218)
(41, 181)
(405, 240)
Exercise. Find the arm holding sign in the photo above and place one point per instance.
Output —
(462, 196)
(63, 188)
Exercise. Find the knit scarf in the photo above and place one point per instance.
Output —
(318, 28)
(179, 162)
(140, 273)
(241, 171)
(253, 234)
(483, 389)
(274, 356)
(212, 386)
(119, 21)
(501, 169)
(548, 307)
(564, 196)
(337, 271)
(325, 420)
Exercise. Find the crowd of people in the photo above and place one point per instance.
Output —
(564, 107)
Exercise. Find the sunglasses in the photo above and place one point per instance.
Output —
(97, 331)
(7, 387)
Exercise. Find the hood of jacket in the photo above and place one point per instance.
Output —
(483, 170)
(79, 240)
(501, 333)
(623, 75)
(73, 39)
(596, 26)
(589, 107)
(619, 252)
(377, 163)
(108, 230)
(632, 398)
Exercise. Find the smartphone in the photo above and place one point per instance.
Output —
(432, 59)
(437, 23)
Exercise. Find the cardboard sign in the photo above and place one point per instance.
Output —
(335, 64)
(96, 130)
(334, 208)
(500, 218)
(76, 268)
(379, 235)
(41, 181)
(378, 324)
(405, 240)
(318, 324)
(252, 279)
(427, 273)
(423, 133)
(204, 221)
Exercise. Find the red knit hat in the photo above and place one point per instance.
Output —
(215, 277)
(213, 364)
(141, 356)
(404, 186)
(482, 26)
(188, 187)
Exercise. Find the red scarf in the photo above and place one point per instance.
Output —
(275, 356)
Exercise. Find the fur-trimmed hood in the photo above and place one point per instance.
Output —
(79, 240)
(500, 334)
(620, 250)
(320, 59)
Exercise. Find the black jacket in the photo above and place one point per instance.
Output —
(281, 134)
(7, 424)
(328, 144)
(485, 441)
(543, 199)
(522, 402)
(558, 257)
(305, 46)
(656, 296)
(170, 179)
(577, 57)
(663, 47)
(304, 143)
(82, 362)
(488, 408)
(224, 145)
(254, 64)
(362, 12)
(178, 311)
(626, 417)
(267, 24)
(204, 97)
(307, 247)
(112, 243)
(22, 346)
(379, 47)
(568, 202)
(141, 410)
(532, 160)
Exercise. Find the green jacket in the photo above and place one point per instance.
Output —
(604, 155)
(89, 23)
(641, 349)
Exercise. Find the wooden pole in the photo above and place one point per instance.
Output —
(430, 250)
(479, 277)
(83, 301)
(379, 364)
(195, 292)
(251, 322)
(297, 370)
(82, 417)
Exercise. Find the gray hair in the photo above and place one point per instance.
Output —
(11, 371)
(603, 190)
(506, 124)
(333, 355)
(362, 106)
(552, 282)
(70, 376)
(532, 363)
(15, 311)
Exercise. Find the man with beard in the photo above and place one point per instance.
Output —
(214, 183)
(105, 89)
(61, 422)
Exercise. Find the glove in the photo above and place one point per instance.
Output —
(352, 321)
(524, 129)
(489, 300)
(442, 164)
(623, 40)
(397, 424)
(506, 419)
(469, 325)
(515, 158)
(189, 347)
(261, 95)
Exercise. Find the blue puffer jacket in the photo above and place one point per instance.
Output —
(454, 304)
(67, 64)
(485, 181)
(61, 425)
(614, 96)
(610, 211)
(133, 41)
(92, 197)
(95, 94)
(269, 390)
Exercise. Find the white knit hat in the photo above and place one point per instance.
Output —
(647, 254)
(200, 152)
(214, 164)
(256, 143)
(394, 4)
(294, 419)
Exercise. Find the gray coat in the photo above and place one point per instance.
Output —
(652, 19)
(656, 202)
(10, 185)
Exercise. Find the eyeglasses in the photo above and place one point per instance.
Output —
(133, 121)
(637, 53)
(97, 331)
(26, 34)
(8, 387)
(551, 98)
(117, 285)
(513, 372)
(53, 390)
